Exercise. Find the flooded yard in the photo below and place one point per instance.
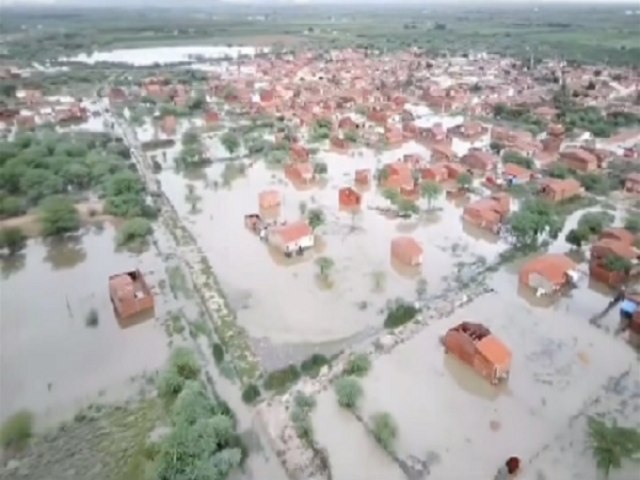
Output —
(560, 365)
(280, 299)
(52, 361)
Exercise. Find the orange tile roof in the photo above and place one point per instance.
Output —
(492, 348)
(294, 231)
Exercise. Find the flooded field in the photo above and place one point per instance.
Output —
(140, 57)
(51, 361)
(281, 299)
(561, 364)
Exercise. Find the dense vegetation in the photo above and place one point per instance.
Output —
(35, 166)
(16, 430)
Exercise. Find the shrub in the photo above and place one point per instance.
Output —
(399, 314)
(182, 367)
(17, 430)
(358, 365)
(384, 430)
(12, 239)
(632, 223)
(349, 392)
(170, 384)
(91, 320)
(250, 393)
(303, 405)
(59, 217)
(312, 365)
(11, 206)
(218, 353)
(134, 231)
(595, 222)
(280, 379)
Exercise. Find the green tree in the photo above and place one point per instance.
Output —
(430, 191)
(230, 141)
(134, 231)
(614, 263)
(348, 392)
(39, 183)
(325, 265)
(351, 136)
(595, 222)
(58, 216)
(464, 180)
(11, 206)
(315, 217)
(12, 239)
(517, 159)
(358, 365)
(16, 430)
(559, 170)
(632, 223)
(406, 207)
(576, 237)
(320, 168)
(384, 430)
(190, 137)
(392, 195)
(534, 219)
(611, 444)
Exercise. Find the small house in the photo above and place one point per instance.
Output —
(349, 198)
(436, 172)
(557, 189)
(393, 136)
(479, 160)
(515, 174)
(269, 199)
(211, 118)
(130, 294)
(632, 183)
(548, 273)
(406, 251)
(338, 144)
(442, 153)
(579, 160)
(362, 177)
(475, 345)
(299, 172)
(299, 153)
(292, 237)
(488, 213)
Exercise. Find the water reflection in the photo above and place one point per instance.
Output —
(404, 270)
(478, 233)
(529, 295)
(10, 265)
(134, 320)
(457, 198)
(65, 253)
(469, 381)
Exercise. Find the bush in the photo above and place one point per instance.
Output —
(59, 217)
(91, 320)
(312, 365)
(595, 222)
(349, 392)
(358, 365)
(12, 239)
(17, 430)
(303, 405)
(134, 231)
(218, 353)
(399, 314)
(279, 380)
(384, 430)
(182, 368)
(11, 206)
(250, 393)
(632, 223)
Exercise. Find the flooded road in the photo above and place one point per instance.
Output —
(51, 361)
(279, 299)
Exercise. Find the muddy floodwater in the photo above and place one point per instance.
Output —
(51, 362)
(561, 364)
(281, 299)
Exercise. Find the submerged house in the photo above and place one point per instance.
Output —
(269, 199)
(130, 294)
(475, 345)
(406, 251)
(613, 257)
(292, 238)
(349, 198)
(557, 190)
(548, 273)
(488, 213)
(362, 177)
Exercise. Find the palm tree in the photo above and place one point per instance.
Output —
(325, 264)
(610, 444)
(430, 191)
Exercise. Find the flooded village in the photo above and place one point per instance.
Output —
(431, 260)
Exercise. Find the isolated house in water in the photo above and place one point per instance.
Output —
(406, 251)
(548, 273)
(488, 213)
(292, 238)
(130, 294)
(269, 199)
(475, 345)
(349, 198)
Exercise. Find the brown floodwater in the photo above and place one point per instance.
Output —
(560, 363)
(51, 362)
(285, 302)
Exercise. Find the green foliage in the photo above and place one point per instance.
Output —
(430, 191)
(325, 265)
(311, 366)
(321, 130)
(315, 217)
(614, 263)
(559, 170)
(279, 380)
(595, 183)
(384, 430)
(58, 216)
(496, 147)
(348, 392)
(11, 206)
(520, 115)
(250, 393)
(320, 168)
(632, 223)
(399, 313)
(535, 219)
(611, 444)
(300, 416)
(92, 318)
(190, 137)
(230, 141)
(407, 207)
(13, 240)
(183, 366)
(595, 222)
(517, 159)
(358, 365)
(16, 430)
(392, 195)
(134, 231)
(464, 180)
(577, 237)
(351, 136)
(203, 444)
(218, 353)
